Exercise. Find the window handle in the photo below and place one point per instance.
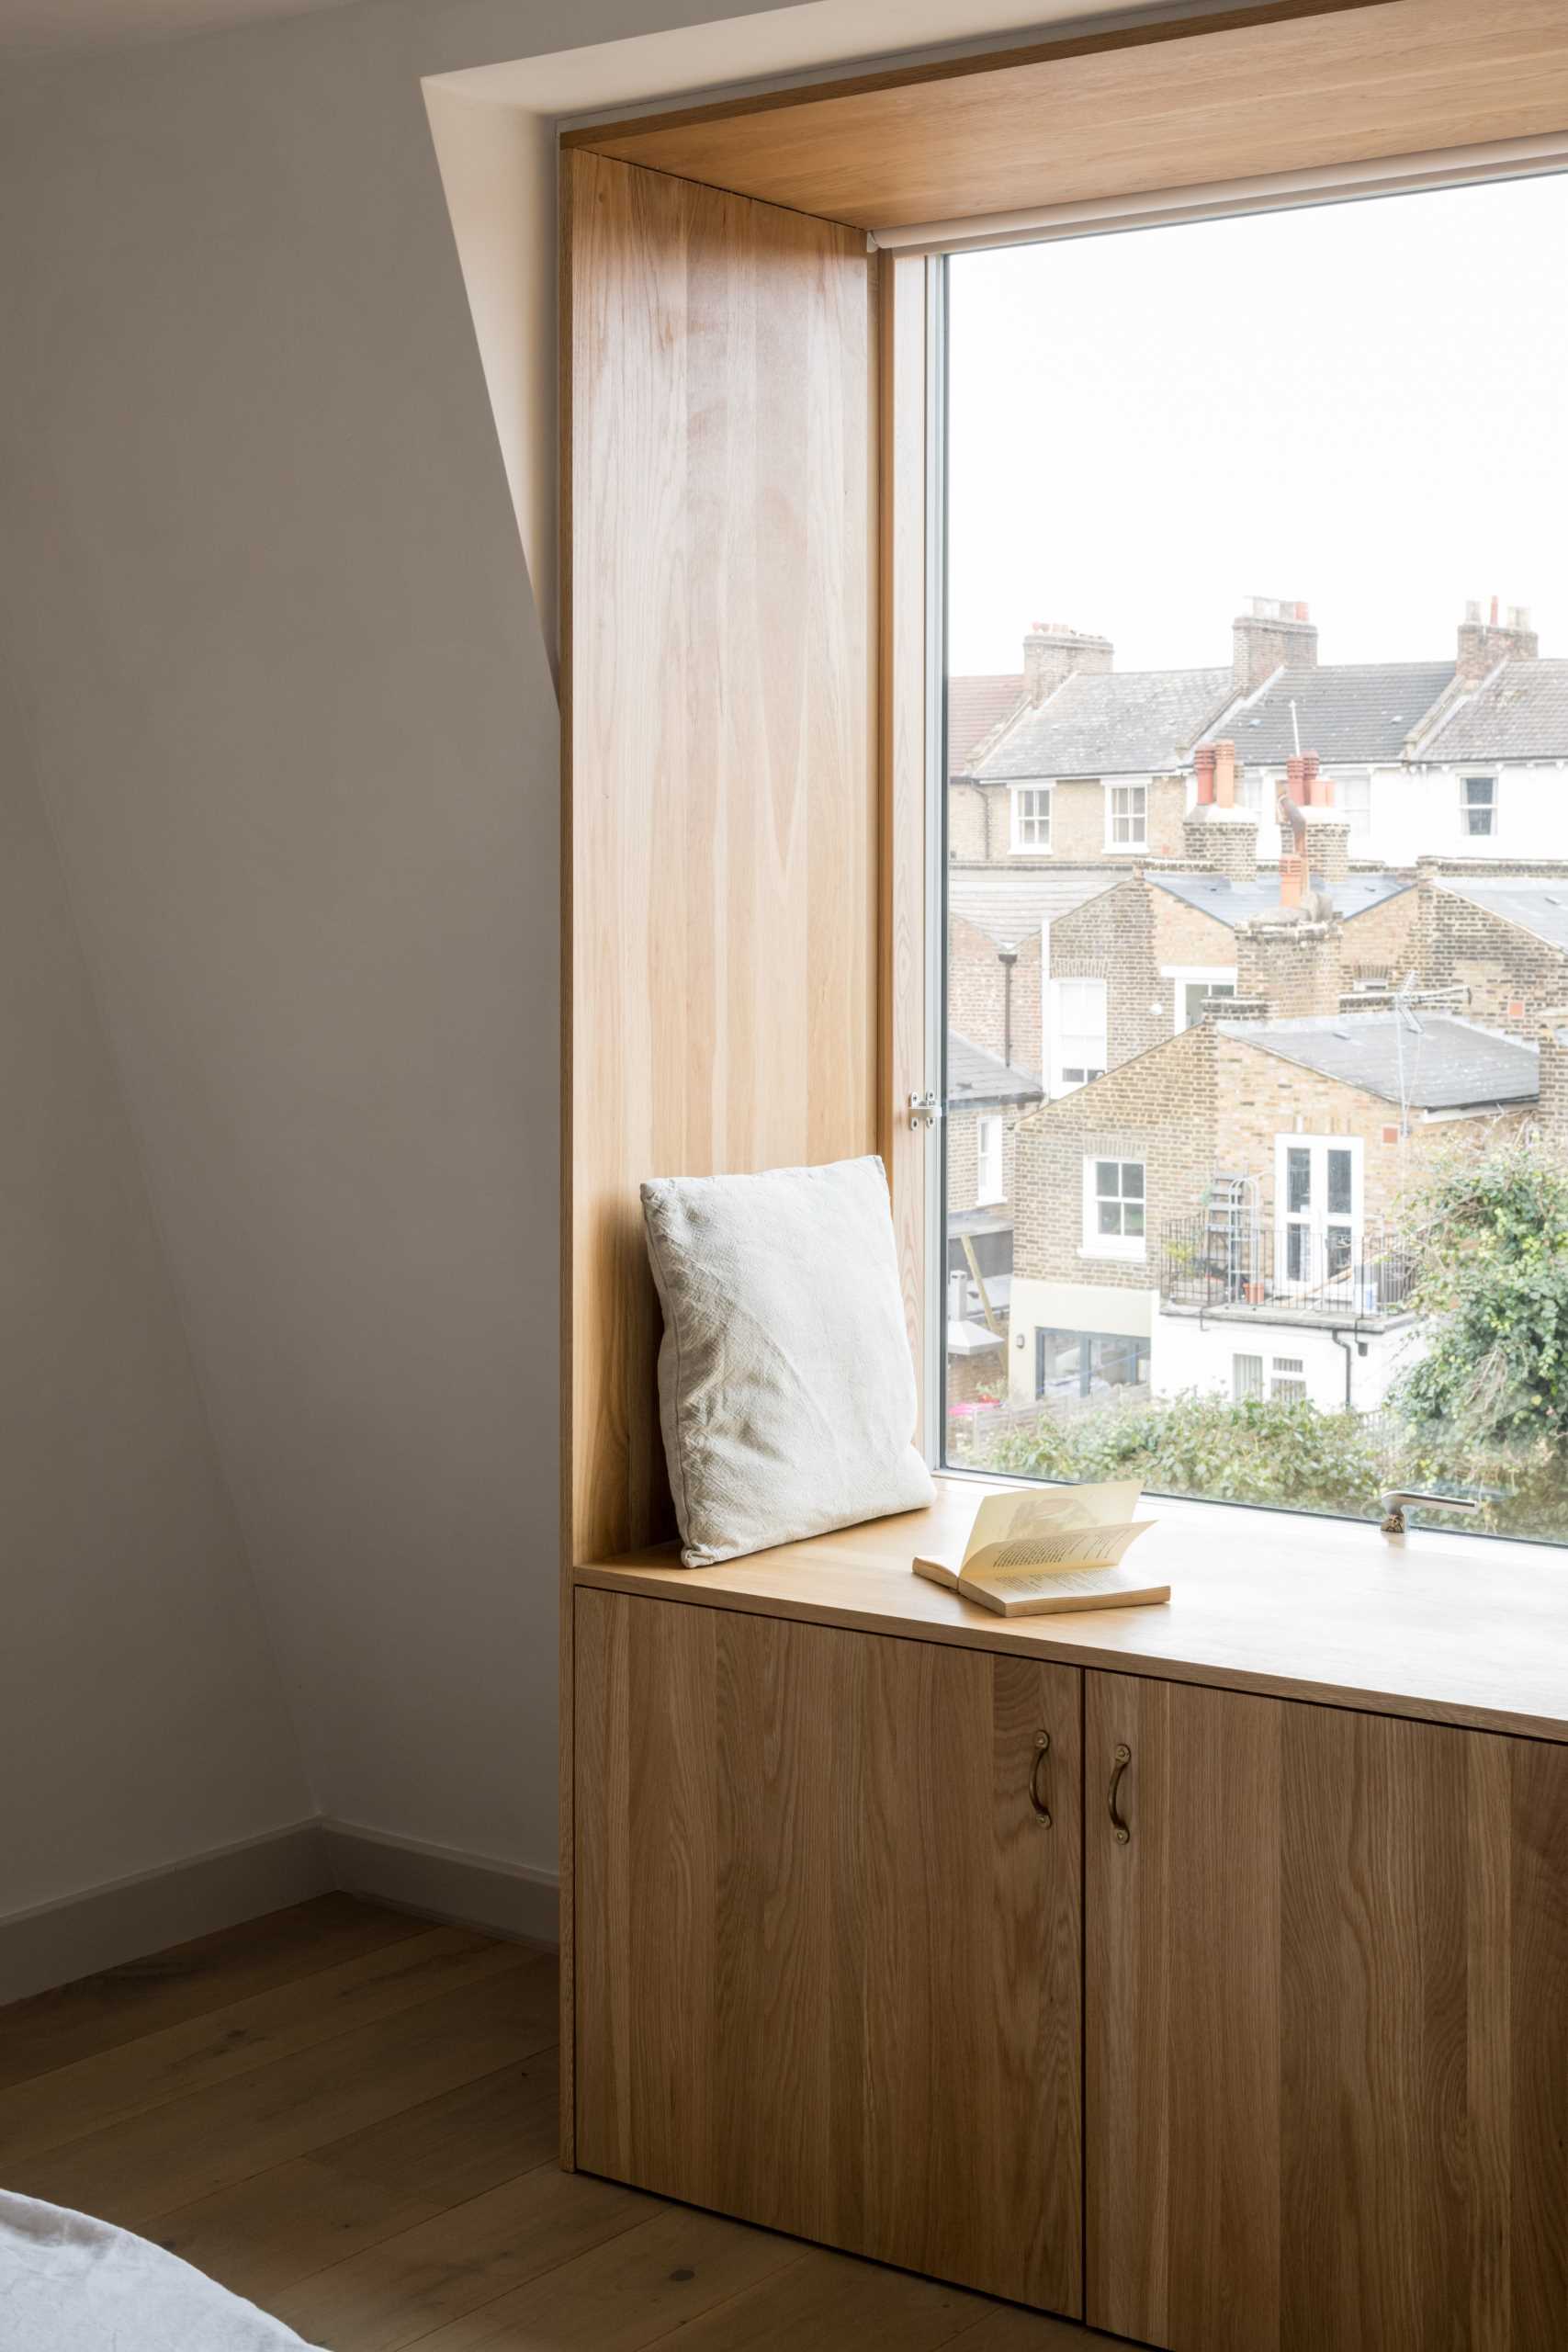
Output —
(1041, 1749)
(1393, 1505)
(925, 1110)
(1121, 1758)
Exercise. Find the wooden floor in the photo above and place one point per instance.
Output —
(349, 2116)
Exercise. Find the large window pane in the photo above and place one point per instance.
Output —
(1258, 890)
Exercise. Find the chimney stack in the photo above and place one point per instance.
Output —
(1270, 635)
(1325, 846)
(1053, 654)
(1554, 1108)
(1486, 640)
(1293, 970)
(1220, 834)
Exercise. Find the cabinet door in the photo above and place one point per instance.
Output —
(1326, 2029)
(828, 1952)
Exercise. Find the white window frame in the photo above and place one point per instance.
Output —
(1466, 805)
(1289, 1372)
(1185, 975)
(1112, 817)
(1317, 1220)
(1124, 1246)
(1343, 777)
(989, 1183)
(1246, 1389)
(1019, 817)
(1060, 1032)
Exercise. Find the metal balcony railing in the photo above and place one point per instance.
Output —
(1206, 1261)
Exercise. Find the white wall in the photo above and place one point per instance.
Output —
(1416, 813)
(295, 732)
(1190, 1354)
(141, 1716)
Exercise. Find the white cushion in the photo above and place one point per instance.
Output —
(786, 1389)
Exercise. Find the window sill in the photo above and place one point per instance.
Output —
(1116, 1257)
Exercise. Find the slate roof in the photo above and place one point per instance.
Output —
(1519, 713)
(1446, 1065)
(1010, 906)
(975, 707)
(1130, 722)
(1233, 903)
(974, 1076)
(1539, 906)
(1355, 711)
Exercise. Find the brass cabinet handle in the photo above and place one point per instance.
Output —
(1123, 1758)
(1041, 1749)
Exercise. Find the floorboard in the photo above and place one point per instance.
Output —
(349, 2116)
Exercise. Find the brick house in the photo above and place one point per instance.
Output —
(977, 709)
(1093, 764)
(1500, 942)
(1466, 755)
(985, 1100)
(997, 921)
(1222, 1211)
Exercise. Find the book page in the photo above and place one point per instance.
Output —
(1064, 1527)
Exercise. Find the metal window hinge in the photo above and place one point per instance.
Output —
(925, 1110)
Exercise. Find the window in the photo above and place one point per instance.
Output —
(1088, 1363)
(1192, 986)
(1478, 806)
(1113, 1208)
(1318, 1215)
(1353, 799)
(989, 1159)
(1128, 807)
(1267, 1207)
(1032, 816)
(1078, 1034)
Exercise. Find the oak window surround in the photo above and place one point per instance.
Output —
(883, 172)
(770, 1000)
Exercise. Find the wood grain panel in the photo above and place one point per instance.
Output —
(828, 1959)
(1325, 2051)
(1177, 105)
(902, 715)
(1260, 1601)
(1534, 1997)
(1182, 2017)
(720, 719)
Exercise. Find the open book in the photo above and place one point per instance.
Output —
(1059, 1549)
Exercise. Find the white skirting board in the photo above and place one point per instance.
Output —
(54, 1943)
(504, 1898)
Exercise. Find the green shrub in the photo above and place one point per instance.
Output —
(1253, 1452)
(1492, 1383)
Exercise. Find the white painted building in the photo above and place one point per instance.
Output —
(1338, 1366)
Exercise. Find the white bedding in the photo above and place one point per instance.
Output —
(70, 2284)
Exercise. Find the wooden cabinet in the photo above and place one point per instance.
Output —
(1261, 2045)
(1326, 2028)
(828, 1961)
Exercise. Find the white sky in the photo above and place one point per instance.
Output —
(1364, 406)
